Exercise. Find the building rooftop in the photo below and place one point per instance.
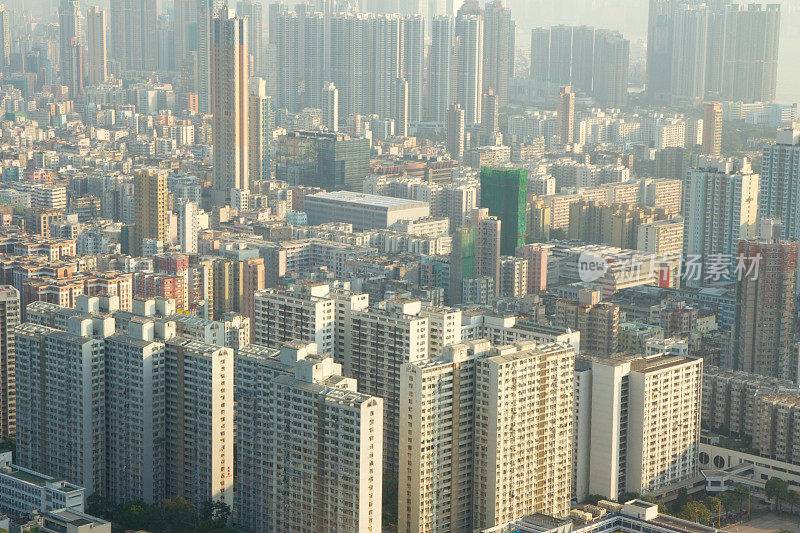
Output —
(371, 200)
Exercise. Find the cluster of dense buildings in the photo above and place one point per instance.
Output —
(282, 264)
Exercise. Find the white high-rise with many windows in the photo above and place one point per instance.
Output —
(486, 436)
(310, 448)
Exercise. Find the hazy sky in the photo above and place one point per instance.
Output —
(627, 16)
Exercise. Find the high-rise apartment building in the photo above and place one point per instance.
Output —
(309, 447)
(70, 45)
(305, 313)
(566, 115)
(150, 207)
(643, 419)
(725, 50)
(188, 226)
(513, 277)
(779, 191)
(230, 78)
(456, 118)
(5, 37)
(611, 64)
(261, 122)
(504, 194)
(750, 62)
(720, 206)
(762, 341)
(536, 256)
(440, 69)
(712, 129)
(133, 39)
(9, 319)
(330, 107)
(199, 410)
(469, 61)
(498, 50)
(597, 321)
(414, 64)
(407, 331)
(135, 406)
(540, 54)
(254, 12)
(96, 57)
(61, 426)
(467, 418)
(583, 58)
(690, 47)
(560, 71)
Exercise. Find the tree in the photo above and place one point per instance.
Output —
(180, 514)
(97, 505)
(777, 490)
(714, 505)
(594, 498)
(696, 512)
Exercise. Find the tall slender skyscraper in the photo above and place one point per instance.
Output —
(401, 107)
(134, 40)
(5, 36)
(69, 38)
(413, 64)
(96, 45)
(440, 69)
(150, 207)
(254, 12)
(498, 50)
(202, 77)
(388, 50)
(455, 132)
(561, 55)
(611, 63)
(469, 57)
(659, 47)
(583, 55)
(184, 24)
(261, 122)
(712, 129)
(9, 319)
(540, 54)
(566, 115)
(690, 44)
(231, 70)
(330, 107)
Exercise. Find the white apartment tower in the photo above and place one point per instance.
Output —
(304, 313)
(468, 416)
(301, 467)
(720, 207)
(330, 107)
(440, 69)
(9, 319)
(260, 123)
(406, 332)
(230, 75)
(469, 64)
(60, 403)
(188, 226)
(135, 414)
(644, 423)
(199, 421)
